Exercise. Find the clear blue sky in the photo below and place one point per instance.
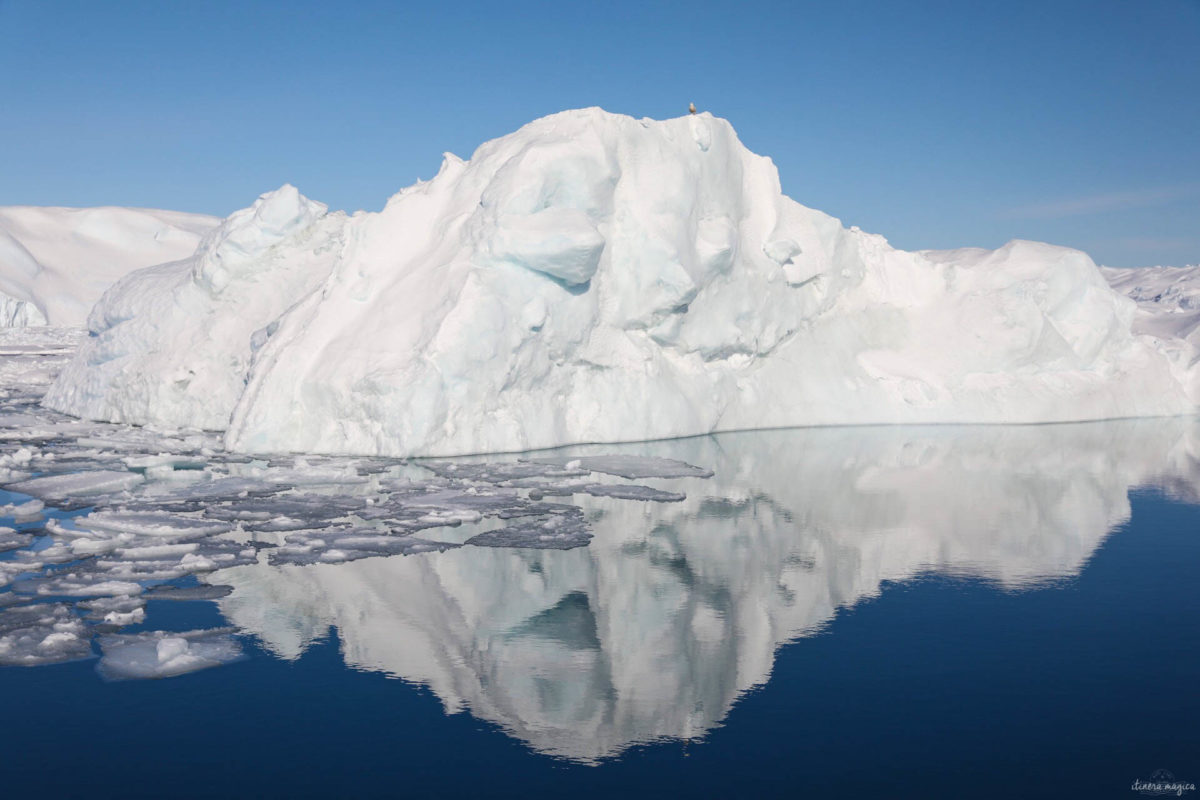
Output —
(937, 124)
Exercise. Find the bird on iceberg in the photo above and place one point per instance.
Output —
(691, 108)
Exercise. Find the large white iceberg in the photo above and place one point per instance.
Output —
(55, 263)
(598, 278)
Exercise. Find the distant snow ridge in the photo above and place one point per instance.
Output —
(55, 263)
(1168, 299)
(597, 278)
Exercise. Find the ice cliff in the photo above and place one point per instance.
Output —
(55, 263)
(597, 278)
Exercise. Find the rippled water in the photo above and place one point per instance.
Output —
(925, 612)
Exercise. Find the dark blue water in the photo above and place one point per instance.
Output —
(1034, 656)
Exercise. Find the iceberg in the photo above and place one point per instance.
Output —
(55, 263)
(598, 278)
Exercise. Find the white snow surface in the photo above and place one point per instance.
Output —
(1168, 299)
(55, 263)
(598, 278)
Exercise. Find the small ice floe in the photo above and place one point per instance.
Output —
(500, 473)
(116, 611)
(309, 471)
(554, 532)
(630, 467)
(189, 593)
(78, 584)
(622, 491)
(252, 512)
(169, 461)
(618, 491)
(77, 484)
(23, 512)
(17, 569)
(12, 539)
(42, 633)
(151, 523)
(159, 654)
(335, 546)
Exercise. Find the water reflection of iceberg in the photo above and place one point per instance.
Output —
(674, 610)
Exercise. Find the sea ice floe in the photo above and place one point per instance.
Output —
(331, 546)
(618, 491)
(11, 539)
(42, 633)
(553, 532)
(118, 611)
(77, 484)
(189, 593)
(23, 512)
(149, 523)
(502, 473)
(159, 654)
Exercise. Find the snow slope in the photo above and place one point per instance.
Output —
(593, 277)
(55, 263)
(1168, 299)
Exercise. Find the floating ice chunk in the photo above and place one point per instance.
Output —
(220, 489)
(337, 546)
(159, 654)
(151, 523)
(114, 610)
(171, 460)
(23, 512)
(156, 551)
(123, 618)
(556, 532)
(83, 547)
(66, 529)
(631, 467)
(81, 584)
(189, 593)
(43, 633)
(11, 571)
(536, 510)
(304, 507)
(11, 539)
(621, 491)
(502, 472)
(77, 484)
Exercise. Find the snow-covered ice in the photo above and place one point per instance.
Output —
(598, 278)
(56, 262)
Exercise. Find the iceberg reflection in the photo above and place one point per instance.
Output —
(675, 609)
